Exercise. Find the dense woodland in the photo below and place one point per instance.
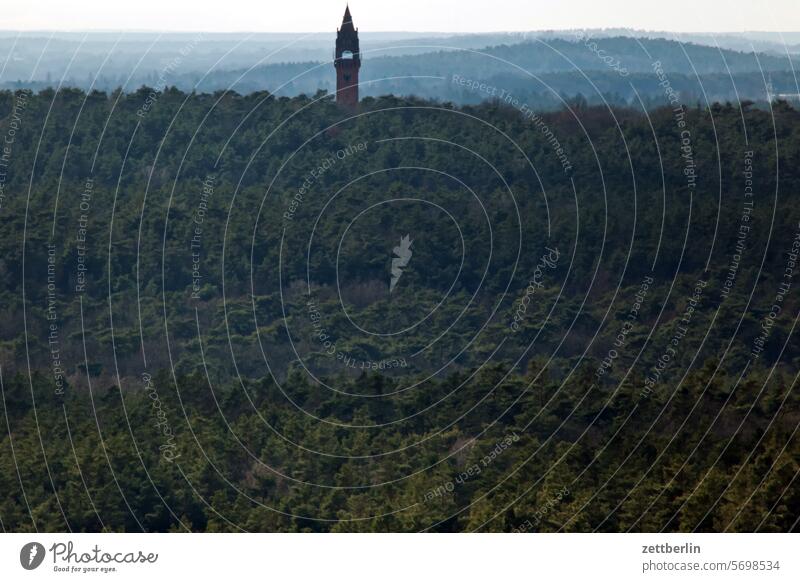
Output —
(596, 329)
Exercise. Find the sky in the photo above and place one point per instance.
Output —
(401, 15)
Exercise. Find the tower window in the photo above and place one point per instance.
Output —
(347, 55)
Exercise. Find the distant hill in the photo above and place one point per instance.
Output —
(540, 73)
(540, 69)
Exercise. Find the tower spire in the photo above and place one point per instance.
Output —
(347, 20)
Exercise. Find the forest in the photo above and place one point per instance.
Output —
(206, 323)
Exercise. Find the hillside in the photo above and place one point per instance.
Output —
(542, 69)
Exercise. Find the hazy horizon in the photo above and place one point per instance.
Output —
(26, 32)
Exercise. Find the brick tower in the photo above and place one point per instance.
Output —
(347, 61)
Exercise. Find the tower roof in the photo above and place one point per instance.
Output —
(347, 21)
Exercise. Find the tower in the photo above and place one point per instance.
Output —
(347, 61)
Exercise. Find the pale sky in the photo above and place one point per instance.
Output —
(401, 15)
